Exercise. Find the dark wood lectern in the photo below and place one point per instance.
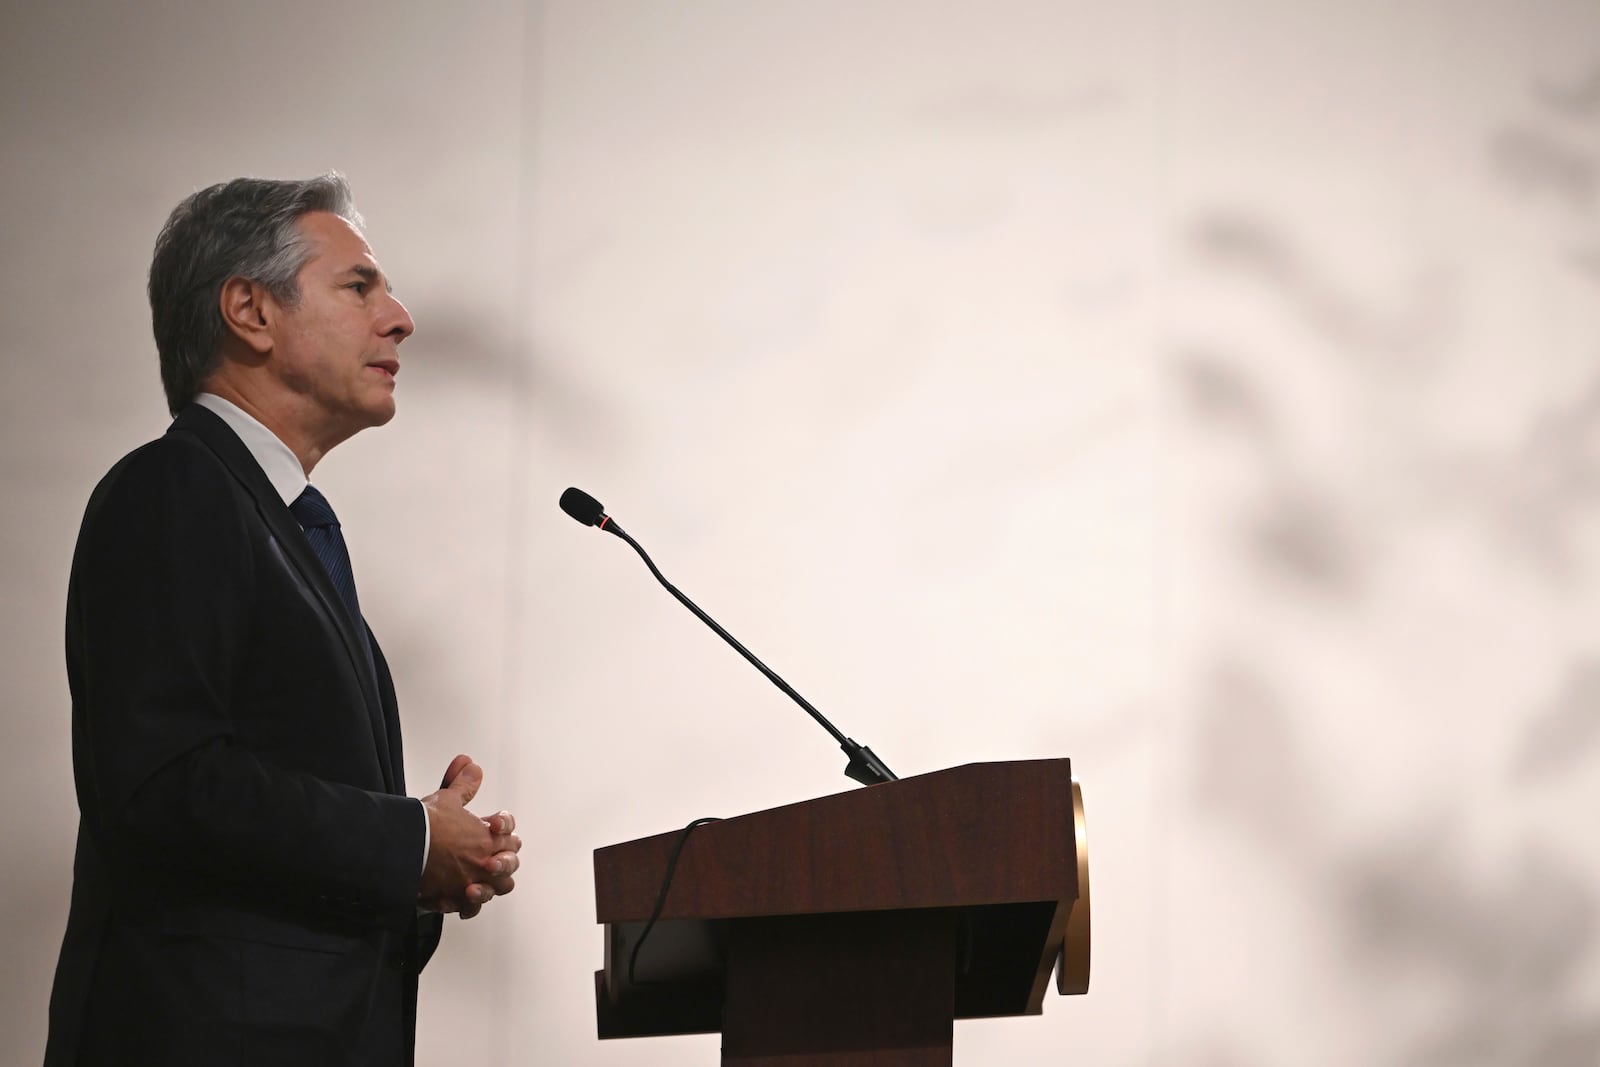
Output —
(855, 928)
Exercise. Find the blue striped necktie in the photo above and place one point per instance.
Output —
(316, 515)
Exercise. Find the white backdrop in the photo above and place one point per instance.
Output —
(1206, 392)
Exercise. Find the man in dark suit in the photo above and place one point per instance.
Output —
(252, 885)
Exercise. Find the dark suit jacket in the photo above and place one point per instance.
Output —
(247, 867)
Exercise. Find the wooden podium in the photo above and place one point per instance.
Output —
(855, 928)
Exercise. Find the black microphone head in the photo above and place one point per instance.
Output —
(583, 507)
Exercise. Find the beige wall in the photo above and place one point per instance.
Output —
(1206, 392)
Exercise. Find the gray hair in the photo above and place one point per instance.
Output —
(248, 228)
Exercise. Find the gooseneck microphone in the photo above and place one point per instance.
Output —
(583, 507)
(864, 766)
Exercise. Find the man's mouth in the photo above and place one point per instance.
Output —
(391, 367)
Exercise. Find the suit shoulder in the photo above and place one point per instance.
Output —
(170, 490)
(175, 463)
(167, 512)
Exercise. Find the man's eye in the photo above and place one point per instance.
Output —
(359, 287)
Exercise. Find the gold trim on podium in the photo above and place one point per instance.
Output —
(1072, 970)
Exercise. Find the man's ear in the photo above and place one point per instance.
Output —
(247, 310)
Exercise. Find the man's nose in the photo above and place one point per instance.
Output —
(397, 322)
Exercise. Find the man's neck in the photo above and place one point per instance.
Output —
(275, 459)
(306, 448)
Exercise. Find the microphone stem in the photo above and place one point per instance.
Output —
(865, 766)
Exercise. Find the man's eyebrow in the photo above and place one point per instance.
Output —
(370, 275)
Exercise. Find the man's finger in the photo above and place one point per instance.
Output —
(454, 769)
(502, 863)
(506, 843)
(467, 781)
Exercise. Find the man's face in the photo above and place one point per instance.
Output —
(337, 349)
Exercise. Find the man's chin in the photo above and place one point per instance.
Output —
(380, 414)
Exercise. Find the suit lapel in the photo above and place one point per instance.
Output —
(286, 530)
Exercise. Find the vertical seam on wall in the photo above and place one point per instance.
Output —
(519, 443)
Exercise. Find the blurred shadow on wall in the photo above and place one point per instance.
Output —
(1566, 732)
(1541, 163)
(1578, 98)
(466, 353)
(1300, 526)
(1505, 955)
(1538, 499)
(1547, 158)
(1543, 155)
(1380, 340)
(1554, 484)
(1495, 945)
(1502, 957)
(1299, 530)
(460, 351)
(1544, 496)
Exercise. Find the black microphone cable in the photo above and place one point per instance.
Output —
(661, 898)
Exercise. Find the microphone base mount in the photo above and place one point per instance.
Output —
(864, 766)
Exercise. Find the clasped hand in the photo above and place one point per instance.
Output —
(470, 860)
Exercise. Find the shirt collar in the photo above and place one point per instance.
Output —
(275, 458)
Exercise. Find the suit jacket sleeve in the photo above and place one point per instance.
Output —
(166, 628)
